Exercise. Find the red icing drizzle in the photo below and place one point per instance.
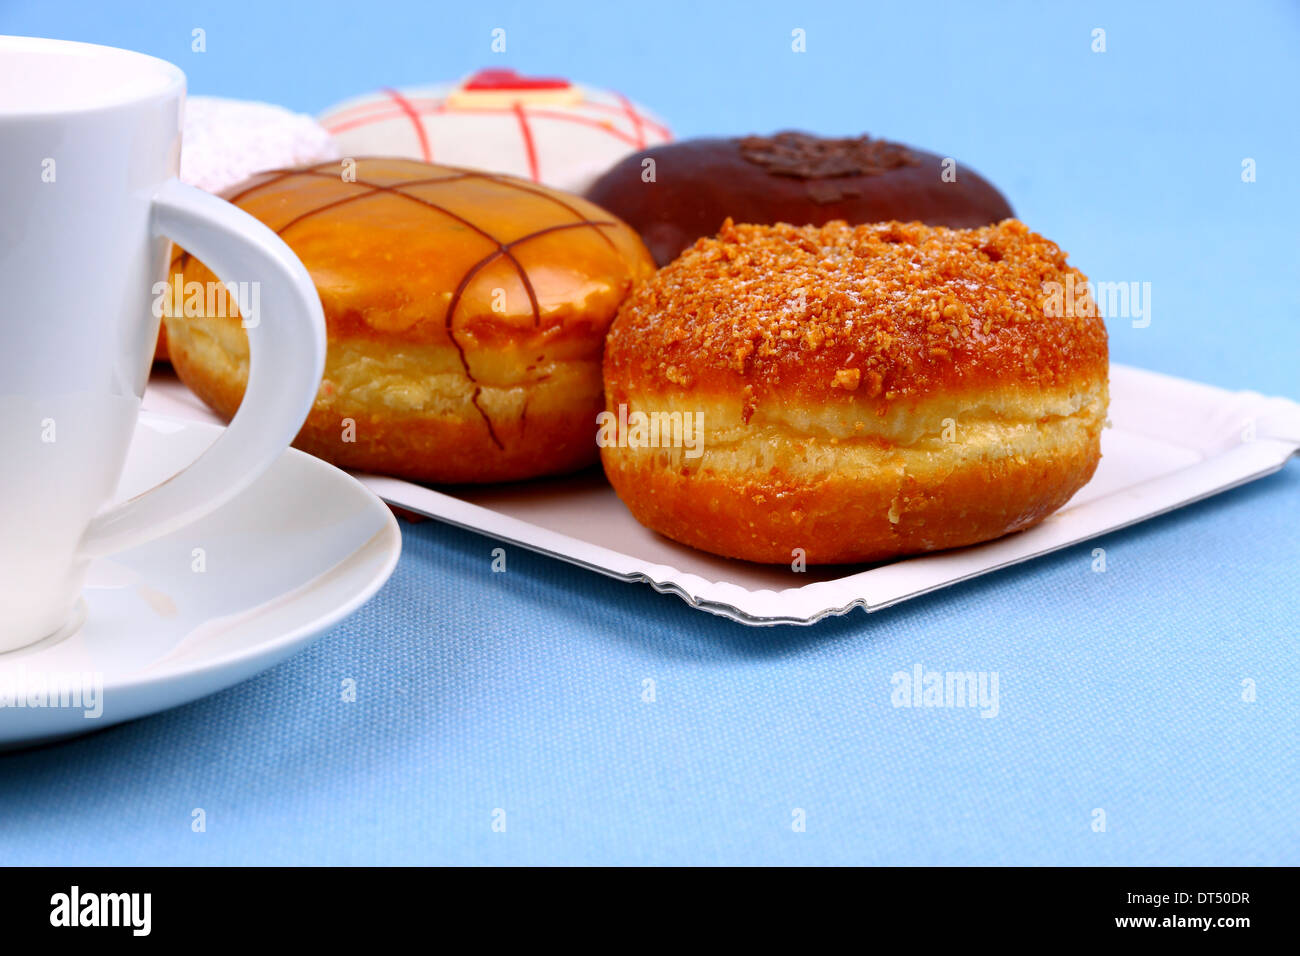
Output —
(529, 146)
(414, 117)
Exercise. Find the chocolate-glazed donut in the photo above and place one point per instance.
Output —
(790, 177)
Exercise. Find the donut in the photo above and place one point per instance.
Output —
(545, 129)
(846, 394)
(225, 141)
(680, 192)
(466, 313)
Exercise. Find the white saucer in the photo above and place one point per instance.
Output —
(299, 550)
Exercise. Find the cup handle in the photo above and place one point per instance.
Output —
(286, 361)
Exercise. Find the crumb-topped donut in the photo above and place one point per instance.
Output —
(466, 315)
(848, 394)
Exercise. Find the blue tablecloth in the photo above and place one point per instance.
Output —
(1120, 692)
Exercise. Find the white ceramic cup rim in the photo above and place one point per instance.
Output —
(160, 78)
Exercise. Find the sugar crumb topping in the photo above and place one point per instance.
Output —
(868, 311)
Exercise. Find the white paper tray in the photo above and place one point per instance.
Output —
(1171, 442)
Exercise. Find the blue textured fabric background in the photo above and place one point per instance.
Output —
(1119, 691)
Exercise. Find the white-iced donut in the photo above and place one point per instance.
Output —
(548, 130)
(223, 141)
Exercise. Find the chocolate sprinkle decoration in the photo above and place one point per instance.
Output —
(803, 156)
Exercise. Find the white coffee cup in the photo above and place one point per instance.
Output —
(89, 201)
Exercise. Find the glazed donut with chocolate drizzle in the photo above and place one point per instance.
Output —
(466, 315)
(853, 393)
